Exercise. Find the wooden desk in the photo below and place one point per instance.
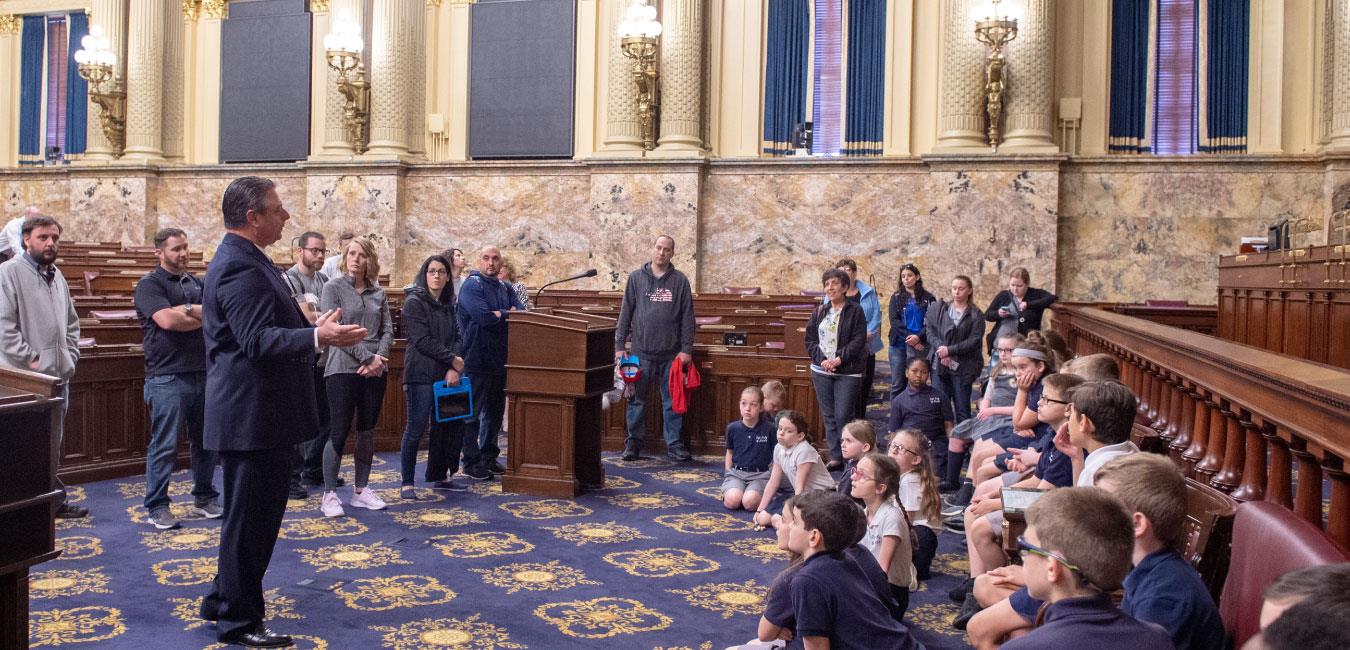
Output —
(1292, 302)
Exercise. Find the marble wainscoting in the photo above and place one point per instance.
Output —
(1148, 228)
(189, 199)
(46, 191)
(779, 224)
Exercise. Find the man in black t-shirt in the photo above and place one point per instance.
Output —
(168, 304)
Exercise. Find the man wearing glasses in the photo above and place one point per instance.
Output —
(306, 280)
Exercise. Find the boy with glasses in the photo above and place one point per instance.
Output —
(1075, 552)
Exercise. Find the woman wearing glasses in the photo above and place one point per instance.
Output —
(433, 336)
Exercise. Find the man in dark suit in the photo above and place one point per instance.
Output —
(260, 352)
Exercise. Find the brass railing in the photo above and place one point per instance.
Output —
(1252, 423)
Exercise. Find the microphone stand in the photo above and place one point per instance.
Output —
(590, 273)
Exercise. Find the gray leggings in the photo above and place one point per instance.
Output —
(351, 395)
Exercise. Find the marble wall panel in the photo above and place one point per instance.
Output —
(627, 211)
(1131, 233)
(780, 231)
(112, 208)
(365, 204)
(50, 193)
(533, 218)
(191, 201)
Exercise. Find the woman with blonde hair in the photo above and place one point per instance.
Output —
(354, 376)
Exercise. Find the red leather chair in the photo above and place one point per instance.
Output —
(1269, 541)
(742, 291)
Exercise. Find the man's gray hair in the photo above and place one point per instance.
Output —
(244, 194)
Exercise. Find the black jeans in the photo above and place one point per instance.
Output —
(308, 460)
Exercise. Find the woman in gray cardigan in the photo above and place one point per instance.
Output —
(954, 329)
(354, 376)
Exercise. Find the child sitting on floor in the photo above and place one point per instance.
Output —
(876, 480)
(918, 494)
(774, 398)
(857, 439)
(795, 459)
(749, 454)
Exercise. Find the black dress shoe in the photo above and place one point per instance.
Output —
(679, 454)
(630, 452)
(67, 511)
(258, 637)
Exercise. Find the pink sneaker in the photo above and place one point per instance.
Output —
(367, 499)
(331, 505)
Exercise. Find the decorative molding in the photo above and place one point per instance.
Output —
(191, 10)
(215, 9)
(10, 24)
(318, 6)
(433, 3)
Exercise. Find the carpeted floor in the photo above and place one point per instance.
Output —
(651, 561)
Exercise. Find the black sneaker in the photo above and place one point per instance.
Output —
(955, 524)
(958, 595)
(163, 519)
(679, 454)
(67, 511)
(450, 485)
(969, 609)
(318, 482)
(496, 468)
(478, 474)
(630, 452)
(298, 492)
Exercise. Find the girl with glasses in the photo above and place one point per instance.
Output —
(918, 494)
(875, 481)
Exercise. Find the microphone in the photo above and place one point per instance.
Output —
(588, 273)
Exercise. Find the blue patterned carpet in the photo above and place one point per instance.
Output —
(652, 561)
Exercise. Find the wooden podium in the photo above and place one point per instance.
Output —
(558, 365)
(28, 418)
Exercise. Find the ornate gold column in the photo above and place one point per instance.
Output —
(171, 131)
(1030, 122)
(112, 15)
(392, 68)
(1337, 77)
(10, 26)
(145, 80)
(623, 130)
(417, 81)
(335, 143)
(681, 69)
(961, 117)
(319, 82)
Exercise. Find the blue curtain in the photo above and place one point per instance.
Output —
(77, 89)
(1130, 34)
(30, 90)
(1225, 128)
(866, 100)
(785, 73)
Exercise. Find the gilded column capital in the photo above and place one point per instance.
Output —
(191, 9)
(433, 3)
(215, 9)
(318, 6)
(9, 24)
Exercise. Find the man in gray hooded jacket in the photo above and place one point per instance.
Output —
(658, 313)
(39, 329)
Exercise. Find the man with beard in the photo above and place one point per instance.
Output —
(39, 329)
(306, 280)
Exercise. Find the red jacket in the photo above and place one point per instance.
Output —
(681, 382)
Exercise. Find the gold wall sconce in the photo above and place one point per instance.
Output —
(98, 66)
(996, 28)
(637, 37)
(344, 46)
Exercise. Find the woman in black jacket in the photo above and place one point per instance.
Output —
(906, 312)
(433, 337)
(836, 340)
(954, 328)
(1017, 309)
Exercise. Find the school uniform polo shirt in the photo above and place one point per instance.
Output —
(833, 598)
(1163, 589)
(751, 447)
(1055, 466)
(1090, 622)
(924, 409)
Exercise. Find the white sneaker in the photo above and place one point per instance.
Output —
(331, 505)
(367, 499)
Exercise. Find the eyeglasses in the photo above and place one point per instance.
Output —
(1051, 400)
(437, 272)
(316, 251)
(858, 474)
(897, 447)
(1024, 547)
(1008, 350)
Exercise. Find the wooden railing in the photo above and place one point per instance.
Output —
(1252, 423)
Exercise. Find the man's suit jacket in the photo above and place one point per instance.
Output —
(259, 354)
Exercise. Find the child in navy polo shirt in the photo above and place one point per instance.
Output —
(834, 601)
(922, 407)
(749, 454)
(1031, 363)
(1075, 552)
(774, 396)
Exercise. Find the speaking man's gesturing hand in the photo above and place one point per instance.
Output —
(333, 332)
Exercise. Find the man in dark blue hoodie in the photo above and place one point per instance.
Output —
(658, 313)
(484, 304)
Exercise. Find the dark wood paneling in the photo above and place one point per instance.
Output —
(1287, 302)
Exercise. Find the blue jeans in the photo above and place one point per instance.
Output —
(489, 404)
(176, 403)
(672, 422)
(836, 395)
(953, 388)
(445, 442)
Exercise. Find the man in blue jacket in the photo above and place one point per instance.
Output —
(484, 304)
(260, 352)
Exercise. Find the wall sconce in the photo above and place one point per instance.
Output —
(97, 65)
(996, 29)
(344, 46)
(638, 33)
